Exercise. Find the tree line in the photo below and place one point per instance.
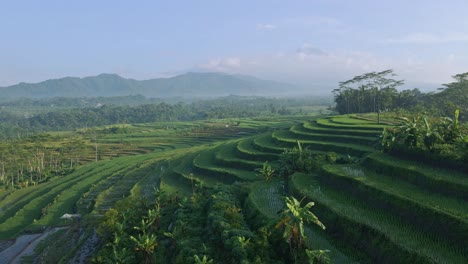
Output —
(13, 125)
(377, 92)
(31, 161)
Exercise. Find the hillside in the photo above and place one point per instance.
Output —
(107, 85)
(393, 210)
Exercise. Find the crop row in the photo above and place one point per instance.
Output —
(379, 237)
(443, 217)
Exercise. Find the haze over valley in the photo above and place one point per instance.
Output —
(295, 132)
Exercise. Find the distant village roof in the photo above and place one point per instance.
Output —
(70, 216)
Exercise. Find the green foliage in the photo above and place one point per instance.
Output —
(77, 117)
(266, 172)
(380, 234)
(370, 92)
(453, 96)
(318, 256)
(292, 221)
(204, 260)
(298, 159)
(441, 137)
(135, 226)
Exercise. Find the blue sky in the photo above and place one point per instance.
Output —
(313, 44)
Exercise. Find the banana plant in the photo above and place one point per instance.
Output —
(266, 172)
(292, 221)
(203, 260)
(146, 244)
(318, 256)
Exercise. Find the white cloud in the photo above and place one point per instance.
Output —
(311, 67)
(308, 50)
(265, 27)
(425, 38)
(311, 21)
(229, 64)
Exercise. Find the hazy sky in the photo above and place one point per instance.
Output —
(309, 43)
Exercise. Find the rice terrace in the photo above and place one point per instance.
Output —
(175, 190)
(234, 132)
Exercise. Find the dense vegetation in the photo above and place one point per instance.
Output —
(376, 92)
(443, 140)
(388, 187)
(13, 125)
(195, 84)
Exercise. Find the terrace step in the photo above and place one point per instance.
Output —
(84, 205)
(443, 217)
(226, 156)
(303, 135)
(186, 175)
(352, 120)
(65, 201)
(204, 164)
(29, 207)
(313, 127)
(380, 237)
(246, 150)
(265, 143)
(328, 123)
(119, 189)
(265, 202)
(450, 183)
(287, 139)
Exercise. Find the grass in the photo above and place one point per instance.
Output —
(330, 137)
(443, 217)
(267, 198)
(246, 150)
(403, 190)
(328, 123)
(348, 214)
(313, 127)
(225, 155)
(287, 139)
(448, 182)
(184, 174)
(352, 120)
(205, 164)
(265, 143)
(393, 210)
(67, 199)
(27, 208)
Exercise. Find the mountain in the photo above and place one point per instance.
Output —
(185, 85)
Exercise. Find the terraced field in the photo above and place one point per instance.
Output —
(380, 209)
(129, 164)
(393, 210)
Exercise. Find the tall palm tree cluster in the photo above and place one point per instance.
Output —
(371, 92)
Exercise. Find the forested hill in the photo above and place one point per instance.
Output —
(106, 85)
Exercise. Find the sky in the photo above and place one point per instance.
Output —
(313, 44)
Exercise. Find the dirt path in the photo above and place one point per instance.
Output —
(24, 246)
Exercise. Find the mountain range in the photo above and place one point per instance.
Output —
(185, 85)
